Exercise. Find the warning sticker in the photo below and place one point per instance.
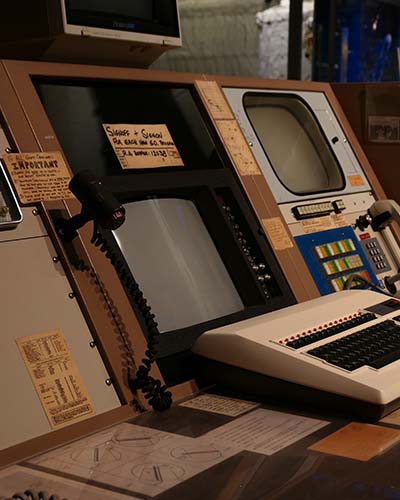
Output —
(356, 180)
(56, 378)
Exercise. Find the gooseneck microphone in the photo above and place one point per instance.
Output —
(98, 204)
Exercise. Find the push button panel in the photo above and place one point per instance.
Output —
(375, 255)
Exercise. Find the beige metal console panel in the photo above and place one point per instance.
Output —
(35, 299)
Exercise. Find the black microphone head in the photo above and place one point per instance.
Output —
(97, 200)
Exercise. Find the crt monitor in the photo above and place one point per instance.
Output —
(190, 241)
(298, 142)
(308, 165)
(121, 32)
(123, 17)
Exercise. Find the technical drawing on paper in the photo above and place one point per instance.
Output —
(157, 473)
(197, 453)
(135, 459)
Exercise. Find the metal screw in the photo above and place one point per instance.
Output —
(251, 144)
(92, 344)
(35, 212)
(8, 150)
(55, 259)
(71, 295)
(108, 382)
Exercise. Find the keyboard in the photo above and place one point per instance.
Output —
(344, 345)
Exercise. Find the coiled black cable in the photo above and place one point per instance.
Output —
(158, 395)
(356, 277)
(33, 495)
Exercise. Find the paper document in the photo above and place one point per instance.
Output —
(220, 404)
(265, 431)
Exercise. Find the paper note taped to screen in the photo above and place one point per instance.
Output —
(143, 146)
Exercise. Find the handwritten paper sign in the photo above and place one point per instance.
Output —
(277, 233)
(237, 147)
(214, 100)
(143, 146)
(56, 378)
(39, 176)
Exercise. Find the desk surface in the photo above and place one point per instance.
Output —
(187, 453)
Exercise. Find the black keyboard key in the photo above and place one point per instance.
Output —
(386, 359)
(375, 346)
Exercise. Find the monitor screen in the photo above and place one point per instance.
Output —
(156, 17)
(294, 143)
(176, 264)
(195, 252)
(77, 111)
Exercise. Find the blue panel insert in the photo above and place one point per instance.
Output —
(307, 244)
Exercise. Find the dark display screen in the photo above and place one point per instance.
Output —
(79, 109)
(386, 307)
(156, 17)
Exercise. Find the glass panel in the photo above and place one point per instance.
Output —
(294, 144)
(174, 260)
(78, 110)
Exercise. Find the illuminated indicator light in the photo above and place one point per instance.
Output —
(342, 247)
(346, 245)
(327, 250)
